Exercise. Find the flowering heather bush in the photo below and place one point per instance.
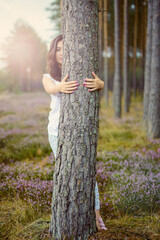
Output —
(130, 182)
(23, 127)
(33, 183)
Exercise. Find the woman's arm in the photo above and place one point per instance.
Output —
(49, 86)
(63, 86)
(94, 84)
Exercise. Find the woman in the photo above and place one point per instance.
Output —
(54, 86)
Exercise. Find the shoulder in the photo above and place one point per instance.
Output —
(49, 76)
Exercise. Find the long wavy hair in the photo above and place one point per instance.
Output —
(52, 66)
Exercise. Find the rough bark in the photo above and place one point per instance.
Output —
(125, 59)
(154, 97)
(147, 75)
(117, 69)
(73, 211)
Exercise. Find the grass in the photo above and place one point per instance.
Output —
(121, 134)
(24, 141)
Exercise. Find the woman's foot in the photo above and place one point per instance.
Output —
(100, 224)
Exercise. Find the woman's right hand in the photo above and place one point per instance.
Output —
(67, 87)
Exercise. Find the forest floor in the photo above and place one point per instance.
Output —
(128, 171)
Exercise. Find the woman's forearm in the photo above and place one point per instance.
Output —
(49, 86)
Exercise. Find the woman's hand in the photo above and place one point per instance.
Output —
(67, 87)
(93, 84)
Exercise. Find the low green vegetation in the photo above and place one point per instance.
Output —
(128, 171)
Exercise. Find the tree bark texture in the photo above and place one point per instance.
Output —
(125, 59)
(117, 69)
(154, 97)
(147, 74)
(73, 211)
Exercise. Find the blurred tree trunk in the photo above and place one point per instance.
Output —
(147, 73)
(73, 201)
(154, 96)
(105, 65)
(117, 69)
(135, 49)
(142, 46)
(101, 22)
(125, 59)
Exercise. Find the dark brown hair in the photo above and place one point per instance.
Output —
(52, 66)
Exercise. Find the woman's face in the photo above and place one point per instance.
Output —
(59, 52)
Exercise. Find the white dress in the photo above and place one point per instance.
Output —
(53, 118)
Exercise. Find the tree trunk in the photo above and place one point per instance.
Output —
(73, 210)
(125, 59)
(135, 50)
(154, 97)
(142, 46)
(147, 63)
(117, 69)
(105, 64)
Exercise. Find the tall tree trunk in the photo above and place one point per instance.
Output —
(105, 65)
(147, 74)
(125, 59)
(154, 97)
(73, 210)
(117, 70)
(142, 46)
(135, 49)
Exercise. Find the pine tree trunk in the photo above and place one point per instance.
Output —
(135, 50)
(73, 210)
(117, 69)
(147, 74)
(125, 59)
(154, 97)
(142, 46)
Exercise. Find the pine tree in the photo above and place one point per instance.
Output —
(73, 210)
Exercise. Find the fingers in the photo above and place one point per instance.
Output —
(74, 83)
(68, 89)
(89, 80)
(65, 78)
(71, 88)
(90, 84)
(92, 89)
(94, 75)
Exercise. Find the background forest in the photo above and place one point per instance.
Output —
(128, 153)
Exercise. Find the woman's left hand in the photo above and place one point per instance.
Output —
(93, 84)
